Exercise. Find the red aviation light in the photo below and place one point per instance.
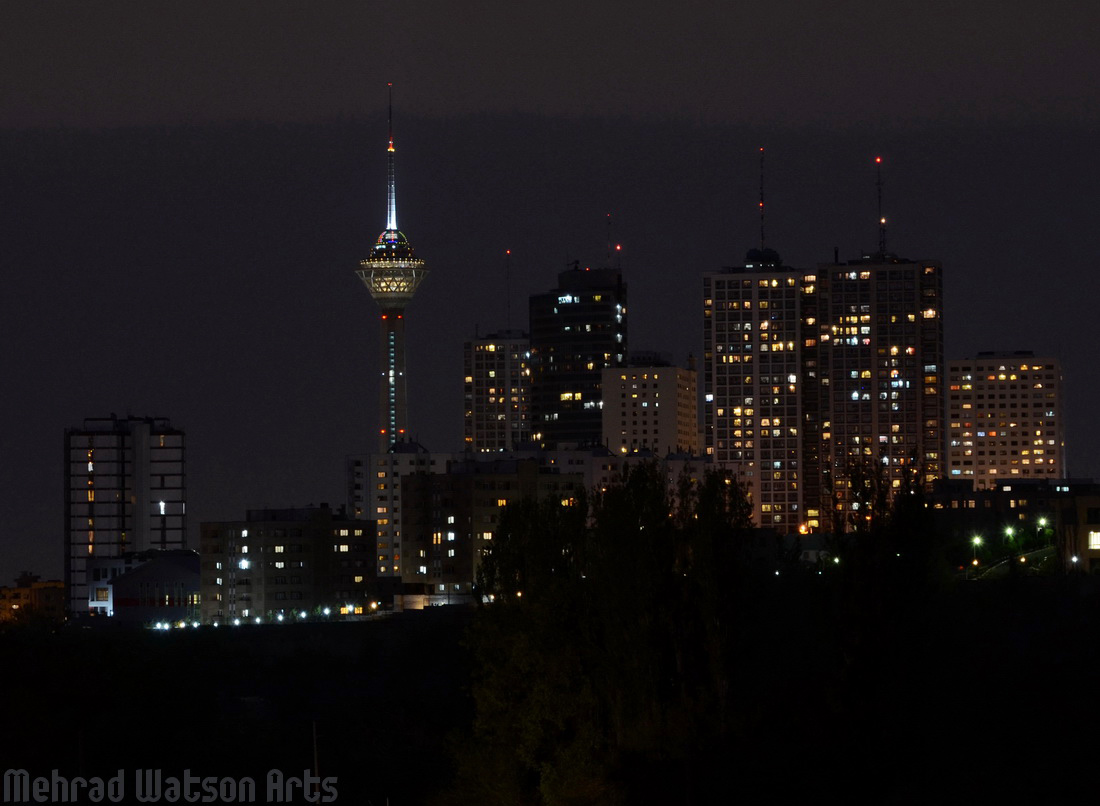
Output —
(878, 160)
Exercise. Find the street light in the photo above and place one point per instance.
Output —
(1039, 527)
(976, 541)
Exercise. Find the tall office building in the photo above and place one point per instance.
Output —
(1004, 413)
(577, 330)
(759, 323)
(392, 272)
(124, 494)
(497, 391)
(881, 363)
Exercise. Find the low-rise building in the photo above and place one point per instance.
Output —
(288, 563)
(32, 599)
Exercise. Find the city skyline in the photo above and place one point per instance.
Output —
(203, 272)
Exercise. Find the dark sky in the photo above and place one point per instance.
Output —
(186, 189)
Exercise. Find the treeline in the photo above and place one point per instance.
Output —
(647, 647)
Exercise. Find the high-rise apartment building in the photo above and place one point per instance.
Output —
(759, 330)
(882, 372)
(1004, 413)
(577, 330)
(124, 493)
(650, 407)
(810, 373)
(392, 273)
(497, 392)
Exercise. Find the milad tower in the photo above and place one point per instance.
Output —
(392, 273)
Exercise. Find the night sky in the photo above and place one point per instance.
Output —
(186, 190)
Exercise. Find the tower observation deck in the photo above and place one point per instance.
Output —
(392, 272)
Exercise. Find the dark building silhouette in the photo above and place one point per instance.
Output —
(162, 587)
(282, 564)
(577, 330)
(32, 599)
(451, 517)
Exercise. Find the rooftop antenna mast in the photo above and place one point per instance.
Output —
(761, 198)
(508, 288)
(881, 217)
(609, 240)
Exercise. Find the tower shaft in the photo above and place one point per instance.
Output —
(392, 397)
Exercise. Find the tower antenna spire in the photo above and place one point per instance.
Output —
(881, 217)
(761, 198)
(391, 182)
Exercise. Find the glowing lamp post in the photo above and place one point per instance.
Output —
(975, 541)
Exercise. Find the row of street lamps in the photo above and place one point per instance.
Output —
(1009, 536)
